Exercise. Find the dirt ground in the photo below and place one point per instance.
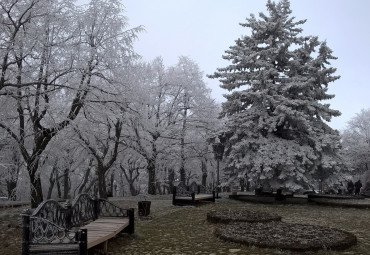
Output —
(185, 230)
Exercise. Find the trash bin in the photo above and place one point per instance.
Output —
(144, 208)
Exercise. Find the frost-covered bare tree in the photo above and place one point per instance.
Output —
(56, 52)
(170, 102)
(130, 169)
(103, 143)
(197, 112)
(10, 167)
(356, 143)
(152, 114)
(275, 116)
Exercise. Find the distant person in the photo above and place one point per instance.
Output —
(358, 186)
(350, 187)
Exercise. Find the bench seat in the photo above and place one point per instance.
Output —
(103, 229)
(197, 197)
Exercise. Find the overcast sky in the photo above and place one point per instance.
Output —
(204, 29)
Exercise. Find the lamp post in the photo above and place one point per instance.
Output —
(218, 150)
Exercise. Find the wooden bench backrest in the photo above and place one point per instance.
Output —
(194, 187)
(182, 190)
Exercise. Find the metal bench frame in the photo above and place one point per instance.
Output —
(53, 228)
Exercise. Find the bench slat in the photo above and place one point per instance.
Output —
(201, 197)
(98, 233)
(197, 197)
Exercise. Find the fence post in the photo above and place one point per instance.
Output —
(26, 231)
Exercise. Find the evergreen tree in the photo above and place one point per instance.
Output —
(275, 128)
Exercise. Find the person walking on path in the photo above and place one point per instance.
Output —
(358, 186)
(350, 187)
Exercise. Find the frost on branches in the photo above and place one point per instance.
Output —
(276, 110)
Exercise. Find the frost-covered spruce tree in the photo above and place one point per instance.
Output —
(276, 111)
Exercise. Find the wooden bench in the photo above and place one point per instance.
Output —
(279, 194)
(74, 228)
(192, 194)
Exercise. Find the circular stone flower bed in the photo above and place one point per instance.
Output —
(281, 235)
(227, 216)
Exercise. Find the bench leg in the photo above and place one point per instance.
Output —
(105, 248)
(131, 216)
(82, 238)
(26, 233)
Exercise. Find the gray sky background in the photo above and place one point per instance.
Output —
(204, 29)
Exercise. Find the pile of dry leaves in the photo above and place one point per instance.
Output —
(265, 230)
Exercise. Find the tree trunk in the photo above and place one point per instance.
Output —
(85, 178)
(204, 173)
(90, 186)
(52, 180)
(242, 184)
(182, 166)
(133, 191)
(171, 179)
(122, 184)
(110, 188)
(58, 185)
(66, 183)
(11, 186)
(12, 181)
(182, 141)
(158, 185)
(35, 183)
(151, 177)
(102, 187)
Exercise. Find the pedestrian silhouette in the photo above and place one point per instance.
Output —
(350, 187)
(358, 186)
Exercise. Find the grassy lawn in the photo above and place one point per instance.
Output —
(184, 230)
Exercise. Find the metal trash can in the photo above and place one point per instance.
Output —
(144, 208)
